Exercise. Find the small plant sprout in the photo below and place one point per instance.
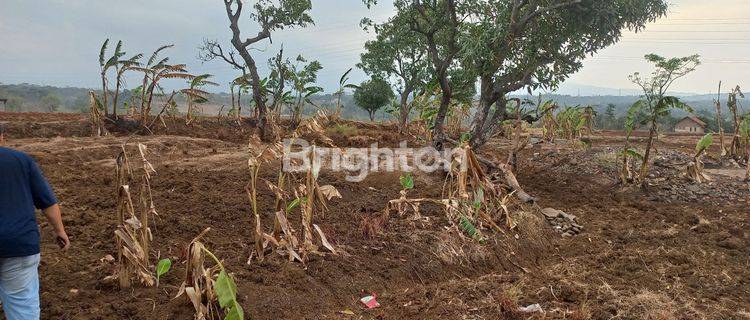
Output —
(162, 268)
(407, 181)
(468, 227)
(695, 167)
(402, 204)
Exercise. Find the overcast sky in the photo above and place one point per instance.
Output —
(57, 42)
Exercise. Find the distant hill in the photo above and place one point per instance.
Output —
(28, 97)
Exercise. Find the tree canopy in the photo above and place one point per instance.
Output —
(511, 45)
(373, 95)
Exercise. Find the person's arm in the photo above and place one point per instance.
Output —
(45, 200)
(54, 217)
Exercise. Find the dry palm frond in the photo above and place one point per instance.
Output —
(312, 127)
(474, 196)
(177, 76)
(195, 93)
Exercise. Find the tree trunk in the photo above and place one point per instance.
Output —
(372, 115)
(116, 96)
(484, 124)
(296, 113)
(239, 105)
(104, 94)
(647, 154)
(267, 132)
(404, 111)
(438, 131)
(231, 93)
(719, 121)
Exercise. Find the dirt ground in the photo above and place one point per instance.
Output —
(663, 253)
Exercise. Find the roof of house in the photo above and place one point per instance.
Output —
(695, 119)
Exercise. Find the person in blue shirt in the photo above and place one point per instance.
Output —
(22, 189)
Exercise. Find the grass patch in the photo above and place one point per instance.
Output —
(343, 129)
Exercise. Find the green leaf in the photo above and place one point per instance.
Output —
(226, 290)
(670, 102)
(102, 52)
(469, 228)
(632, 113)
(293, 204)
(163, 267)
(630, 152)
(235, 312)
(407, 181)
(704, 143)
(345, 77)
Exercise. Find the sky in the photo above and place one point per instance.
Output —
(56, 42)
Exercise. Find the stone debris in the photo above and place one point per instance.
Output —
(564, 223)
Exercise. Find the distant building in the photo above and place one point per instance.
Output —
(690, 124)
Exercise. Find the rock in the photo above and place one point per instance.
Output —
(551, 213)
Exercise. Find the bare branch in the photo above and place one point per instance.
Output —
(211, 49)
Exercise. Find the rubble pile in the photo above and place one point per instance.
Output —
(562, 222)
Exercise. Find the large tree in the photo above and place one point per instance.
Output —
(270, 16)
(538, 44)
(515, 44)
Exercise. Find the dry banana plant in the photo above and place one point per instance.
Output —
(315, 200)
(313, 127)
(736, 149)
(477, 197)
(695, 167)
(253, 164)
(133, 234)
(312, 199)
(95, 113)
(210, 290)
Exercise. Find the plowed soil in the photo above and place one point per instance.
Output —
(638, 257)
